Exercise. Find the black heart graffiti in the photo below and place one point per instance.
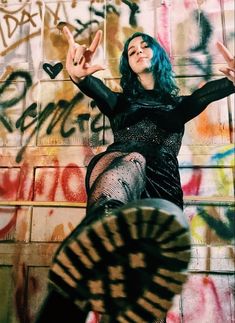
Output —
(51, 70)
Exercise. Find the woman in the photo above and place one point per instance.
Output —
(129, 256)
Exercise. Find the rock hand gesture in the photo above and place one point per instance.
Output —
(229, 70)
(78, 61)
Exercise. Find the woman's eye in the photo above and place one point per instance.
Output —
(131, 53)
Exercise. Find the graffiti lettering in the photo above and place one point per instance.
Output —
(12, 78)
(25, 18)
(61, 111)
(41, 182)
(12, 101)
(35, 115)
(13, 21)
(81, 119)
(69, 180)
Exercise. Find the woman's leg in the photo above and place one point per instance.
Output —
(116, 177)
(131, 263)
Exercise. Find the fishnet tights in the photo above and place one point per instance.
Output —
(117, 176)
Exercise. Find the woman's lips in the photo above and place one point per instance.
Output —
(141, 59)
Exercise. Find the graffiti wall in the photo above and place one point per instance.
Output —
(49, 131)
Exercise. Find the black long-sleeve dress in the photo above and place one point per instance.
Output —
(153, 127)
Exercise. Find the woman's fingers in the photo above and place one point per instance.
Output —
(226, 54)
(229, 73)
(94, 68)
(72, 45)
(68, 36)
(80, 51)
(93, 46)
(229, 70)
(79, 54)
(96, 41)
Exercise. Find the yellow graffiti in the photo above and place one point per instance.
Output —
(198, 229)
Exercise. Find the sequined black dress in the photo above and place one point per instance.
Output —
(153, 127)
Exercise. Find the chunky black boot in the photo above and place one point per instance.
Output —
(127, 264)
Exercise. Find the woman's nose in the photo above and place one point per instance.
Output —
(140, 50)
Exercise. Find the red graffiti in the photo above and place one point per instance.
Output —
(208, 281)
(70, 180)
(72, 194)
(11, 223)
(14, 183)
(9, 185)
(17, 184)
(25, 190)
(193, 185)
(42, 182)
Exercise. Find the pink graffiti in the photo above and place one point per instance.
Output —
(163, 36)
(202, 301)
(188, 3)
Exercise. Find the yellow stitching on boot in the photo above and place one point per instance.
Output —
(60, 272)
(87, 243)
(137, 260)
(63, 258)
(74, 246)
(115, 273)
(117, 290)
(96, 286)
(101, 233)
(97, 305)
(157, 300)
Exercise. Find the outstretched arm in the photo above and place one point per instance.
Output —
(80, 69)
(194, 104)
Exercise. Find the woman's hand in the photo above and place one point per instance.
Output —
(229, 70)
(79, 56)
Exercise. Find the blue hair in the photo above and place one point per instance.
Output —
(164, 81)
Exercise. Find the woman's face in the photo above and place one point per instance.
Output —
(139, 56)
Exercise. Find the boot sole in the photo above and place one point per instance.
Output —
(128, 265)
